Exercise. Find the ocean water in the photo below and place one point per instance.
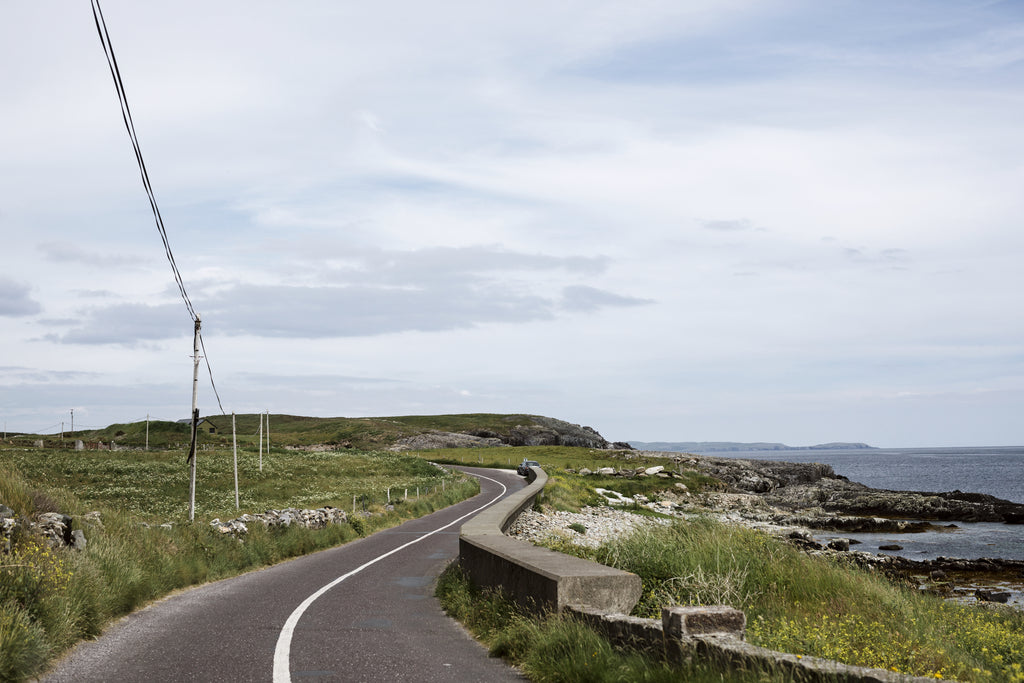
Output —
(995, 471)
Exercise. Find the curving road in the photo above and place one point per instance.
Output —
(364, 611)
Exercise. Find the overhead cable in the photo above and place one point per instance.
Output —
(126, 114)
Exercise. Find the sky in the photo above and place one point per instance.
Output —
(722, 220)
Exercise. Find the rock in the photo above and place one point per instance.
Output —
(78, 539)
(839, 544)
(992, 596)
(6, 512)
(435, 439)
(606, 471)
(937, 575)
(890, 546)
(654, 470)
(584, 471)
(92, 518)
(56, 528)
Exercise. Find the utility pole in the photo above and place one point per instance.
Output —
(147, 431)
(195, 424)
(72, 421)
(261, 442)
(268, 432)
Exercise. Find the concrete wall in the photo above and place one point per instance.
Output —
(537, 577)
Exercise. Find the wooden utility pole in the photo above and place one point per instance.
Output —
(268, 432)
(261, 442)
(195, 424)
(147, 431)
(234, 440)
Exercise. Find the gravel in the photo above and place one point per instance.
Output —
(601, 524)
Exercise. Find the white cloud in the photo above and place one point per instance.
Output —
(735, 217)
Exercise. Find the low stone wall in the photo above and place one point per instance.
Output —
(533, 576)
(716, 633)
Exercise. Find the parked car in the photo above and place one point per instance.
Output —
(524, 467)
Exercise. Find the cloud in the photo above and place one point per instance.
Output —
(589, 299)
(728, 226)
(128, 325)
(61, 252)
(15, 300)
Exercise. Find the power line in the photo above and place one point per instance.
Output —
(202, 345)
(126, 115)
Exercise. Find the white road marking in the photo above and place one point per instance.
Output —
(282, 653)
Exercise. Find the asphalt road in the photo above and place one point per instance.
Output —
(375, 618)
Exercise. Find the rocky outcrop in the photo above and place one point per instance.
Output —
(532, 430)
(434, 439)
(815, 490)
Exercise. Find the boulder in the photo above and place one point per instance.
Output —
(992, 596)
(839, 544)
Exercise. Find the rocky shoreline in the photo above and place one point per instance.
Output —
(799, 501)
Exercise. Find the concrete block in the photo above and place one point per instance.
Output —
(713, 620)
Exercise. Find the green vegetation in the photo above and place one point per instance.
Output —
(550, 648)
(360, 433)
(814, 606)
(51, 598)
(154, 485)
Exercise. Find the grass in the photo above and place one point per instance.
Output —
(367, 433)
(814, 606)
(153, 485)
(50, 599)
(550, 648)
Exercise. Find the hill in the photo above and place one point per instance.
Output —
(362, 433)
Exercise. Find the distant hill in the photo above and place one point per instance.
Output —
(727, 446)
(363, 433)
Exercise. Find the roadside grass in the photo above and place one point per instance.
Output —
(153, 485)
(52, 598)
(552, 648)
(813, 605)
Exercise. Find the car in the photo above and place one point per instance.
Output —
(524, 467)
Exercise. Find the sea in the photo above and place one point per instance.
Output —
(997, 471)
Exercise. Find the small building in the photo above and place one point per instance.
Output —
(203, 426)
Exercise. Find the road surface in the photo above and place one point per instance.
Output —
(363, 611)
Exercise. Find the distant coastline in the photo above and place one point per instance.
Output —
(732, 446)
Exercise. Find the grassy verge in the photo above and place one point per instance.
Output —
(814, 606)
(50, 598)
(550, 648)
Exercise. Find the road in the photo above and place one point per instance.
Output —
(363, 611)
